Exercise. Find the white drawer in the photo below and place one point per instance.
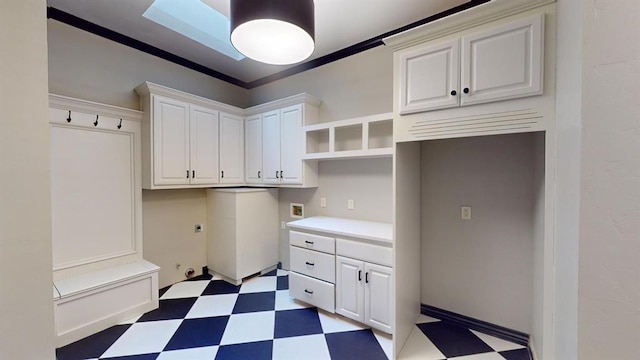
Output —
(312, 291)
(376, 254)
(312, 263)
(313, 242)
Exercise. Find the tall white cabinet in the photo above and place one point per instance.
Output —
(231, 149)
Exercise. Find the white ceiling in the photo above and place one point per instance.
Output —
(339, 24)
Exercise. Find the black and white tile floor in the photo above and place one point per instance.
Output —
(206, 319)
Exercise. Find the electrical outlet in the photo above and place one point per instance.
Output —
(198, 228)
(350, 204)
(465, 212)
(283, 225)
(323, 202)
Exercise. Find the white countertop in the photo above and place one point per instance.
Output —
(346, 227)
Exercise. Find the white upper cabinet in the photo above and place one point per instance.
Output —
(231, 149)
(430, 77)
(271, 147)
(503, 62)
(291, 146)
(253, 149)
(171, 142)
(203, 146)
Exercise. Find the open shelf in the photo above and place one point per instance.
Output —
(369, 136)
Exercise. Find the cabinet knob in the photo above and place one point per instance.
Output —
(454, 93)
(465, 90)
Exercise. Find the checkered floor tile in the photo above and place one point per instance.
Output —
(433, 339)
(206, 318)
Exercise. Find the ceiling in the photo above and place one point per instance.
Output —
(343, 27)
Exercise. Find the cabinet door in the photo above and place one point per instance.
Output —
(253, 148)
(271, 147)
(170, 141)
(349, 288)
(429, 78)
(231, 149)
(203, 147)
(378, 297)
(291, 146)
(504, 62)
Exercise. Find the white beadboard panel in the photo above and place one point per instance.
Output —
(93, 195)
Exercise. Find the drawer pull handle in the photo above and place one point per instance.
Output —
(359, 275)
(310, 292)
(308, 242)
(310, 264)
(366, 277)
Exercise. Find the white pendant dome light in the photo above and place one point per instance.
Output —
(279, 32)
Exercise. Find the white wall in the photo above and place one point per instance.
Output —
(168, 221)
(609, 266)
(89, 67)
(366, 181)
(483, 267)
(26, 303)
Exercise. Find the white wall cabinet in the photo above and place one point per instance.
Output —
(281, 143)
(502, 62)
(231, 149)
(253, 149)
(188, 141)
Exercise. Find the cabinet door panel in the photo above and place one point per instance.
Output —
(378, 297)
(349, 288)
(503, 62)
(231, 149)
(291, 145)
(204, 145)
(428, 76)
(170, 141)
(253, 148)
(271, 147)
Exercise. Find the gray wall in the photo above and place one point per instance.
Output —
(481, 267)
(26, 303)
(609, 269)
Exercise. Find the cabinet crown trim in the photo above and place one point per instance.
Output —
(302, 98)
(471, 18)
(147, 88)
(88, 107)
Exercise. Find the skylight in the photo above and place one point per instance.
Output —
(195, 20)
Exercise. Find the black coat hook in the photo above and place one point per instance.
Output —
(120, 125)
(96, 122)
(69, 117)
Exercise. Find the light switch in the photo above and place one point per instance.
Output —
(350, 204)
(323, 202)
(465, 212)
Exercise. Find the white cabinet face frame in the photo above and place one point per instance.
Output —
(271, 147)
(504, 62)
(170, 141)
(429, 77)
(253, 148)
(231, 149)
(204, 159)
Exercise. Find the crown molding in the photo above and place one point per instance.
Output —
(460, 21)
(90, 107)
(147, 88)
(303, 98)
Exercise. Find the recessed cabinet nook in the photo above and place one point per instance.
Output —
(474, 125)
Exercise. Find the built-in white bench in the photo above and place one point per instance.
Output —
(91, 302)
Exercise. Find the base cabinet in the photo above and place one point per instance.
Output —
(363, 292)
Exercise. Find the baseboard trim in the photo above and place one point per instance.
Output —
(475, 324)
